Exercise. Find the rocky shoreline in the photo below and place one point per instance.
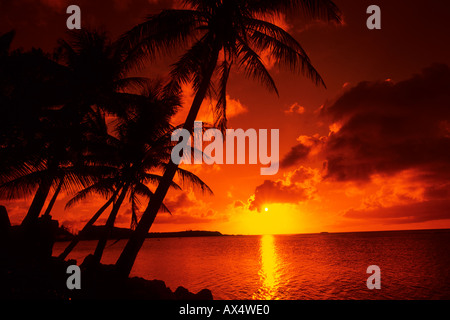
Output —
(46, 280)
(29, 271)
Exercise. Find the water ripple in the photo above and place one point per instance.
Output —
(414, 265)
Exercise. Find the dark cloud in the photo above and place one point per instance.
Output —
(387, 128)
(435, 192)
(297, 186)
(187, 209)
(276, 192)
(180, 202)
(409, 213)
(297, 153)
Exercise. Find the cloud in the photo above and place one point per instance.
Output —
(295, 108)
(307, 145)
(296, 186)
(386, 127)
(388, 150)
(178, 202)
(297, 153)
(238, 203)
(405, 197)
(187, 210)
(234, 107)
(409, 213)
(394, 138)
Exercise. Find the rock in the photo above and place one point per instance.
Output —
(182, 293)
(204, 294)
(140, 288)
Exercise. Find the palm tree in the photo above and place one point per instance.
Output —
(28, 125)
(91, 222)
(89, 79)
(142, 147)
(219, 34)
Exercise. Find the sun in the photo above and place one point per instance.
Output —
(278, 219)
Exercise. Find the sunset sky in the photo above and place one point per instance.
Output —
(369, 152)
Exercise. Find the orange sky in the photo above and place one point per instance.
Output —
(370, 152)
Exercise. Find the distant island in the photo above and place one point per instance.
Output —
(95, 232)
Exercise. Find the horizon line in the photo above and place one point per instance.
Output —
(307, 233)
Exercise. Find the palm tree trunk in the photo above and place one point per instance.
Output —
(53, 200)
(126, 260)
(109, 226)
(78, 237)
(38, 202)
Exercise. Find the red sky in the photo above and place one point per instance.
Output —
(370, 152)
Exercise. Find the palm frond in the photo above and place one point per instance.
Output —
(161, 34)
(11, 171)
(190, 65)
(64, 51)
(311, 9)
(254, 67)
(143, 190)
(74, 179)
(188, 177)
(137, 83)
(292, 56)
(134, 209)
(155, 179)
(105, 188)
(23, 186)
(220, 111)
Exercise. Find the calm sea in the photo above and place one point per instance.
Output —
(414, 264)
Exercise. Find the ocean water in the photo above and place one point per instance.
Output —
(413, 264)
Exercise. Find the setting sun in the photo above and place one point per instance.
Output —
(266, 209)
(280, 219)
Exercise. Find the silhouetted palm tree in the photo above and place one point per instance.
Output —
(219, 33)
(28, 122)
(89, 81)
(142, 148)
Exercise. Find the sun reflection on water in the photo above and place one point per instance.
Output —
(269, 270)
